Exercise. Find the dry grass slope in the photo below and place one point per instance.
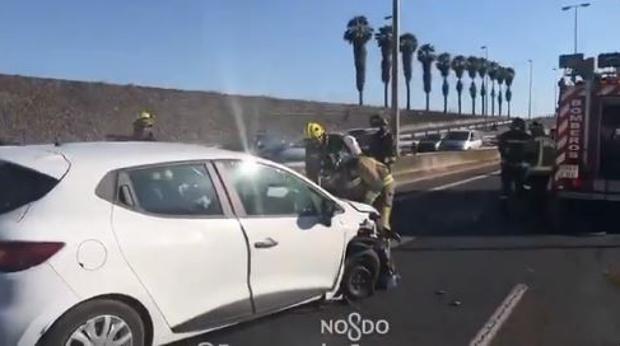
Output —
(37, 110)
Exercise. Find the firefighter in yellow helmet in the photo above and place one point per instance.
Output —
(378, 184)
(143, 127)
(323, 152)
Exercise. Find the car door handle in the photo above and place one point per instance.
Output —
(266, 243)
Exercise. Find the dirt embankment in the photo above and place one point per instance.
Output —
(36, 110)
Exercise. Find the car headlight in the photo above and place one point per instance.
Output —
(367, 228)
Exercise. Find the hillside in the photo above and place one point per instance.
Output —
(35, 110)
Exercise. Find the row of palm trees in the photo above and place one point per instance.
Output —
(359, 33)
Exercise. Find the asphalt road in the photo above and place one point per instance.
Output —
(470, 277)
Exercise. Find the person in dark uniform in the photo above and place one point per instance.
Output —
(513, 148)
(381, 146)
(143, 127)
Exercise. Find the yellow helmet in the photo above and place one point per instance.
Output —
(145, 119)
(315, 131)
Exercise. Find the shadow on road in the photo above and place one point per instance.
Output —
(458, 213)
(479, 213)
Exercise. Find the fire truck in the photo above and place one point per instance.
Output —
(585, 177)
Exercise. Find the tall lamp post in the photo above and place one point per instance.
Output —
(485, 111)
(395, 46)
(576, 10)
(529, 102)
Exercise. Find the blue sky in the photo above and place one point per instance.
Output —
(287, 48)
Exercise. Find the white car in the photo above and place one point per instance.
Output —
(461, 140)
(148, 243)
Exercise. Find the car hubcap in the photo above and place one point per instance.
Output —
(105, 330)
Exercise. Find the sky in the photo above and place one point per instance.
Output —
(290, 48)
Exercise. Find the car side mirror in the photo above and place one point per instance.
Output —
(328, 210)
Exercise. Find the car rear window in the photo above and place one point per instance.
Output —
(459, 136)
(432, 138)
(20, 186)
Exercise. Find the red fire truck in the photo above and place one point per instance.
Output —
(585, 178)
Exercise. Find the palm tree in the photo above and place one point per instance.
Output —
(384, 41)
(458, 65)
(472, 70)
(510, 76)
(358, 33)
(408, 46)
(500, 76)
(426, 56)
(483, 67)
(492, 72)
(443, 65)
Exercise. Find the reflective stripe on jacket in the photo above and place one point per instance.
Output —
(374, 174)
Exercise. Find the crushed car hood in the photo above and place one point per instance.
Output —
(361, 207)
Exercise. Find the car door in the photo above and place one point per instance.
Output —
(177, 232)
(295, 253)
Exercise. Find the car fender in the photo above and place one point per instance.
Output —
(355, 217)
(357, 246)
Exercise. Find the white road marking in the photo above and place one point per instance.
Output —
(461, 182)
(501, 314)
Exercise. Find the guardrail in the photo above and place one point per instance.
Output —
(441, 160)
(417, 131)
(418, 164)
(409, 134)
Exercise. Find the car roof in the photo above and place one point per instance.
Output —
(101, 157)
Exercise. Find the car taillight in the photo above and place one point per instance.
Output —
(20, 255)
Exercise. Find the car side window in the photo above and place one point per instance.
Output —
(175, 190)
(265, 190)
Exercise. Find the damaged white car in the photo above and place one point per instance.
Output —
(148, 243)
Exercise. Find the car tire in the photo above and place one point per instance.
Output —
(360, 275)
(97, 312)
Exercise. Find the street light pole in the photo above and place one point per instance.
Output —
(395, 46)
(576, 9)
(555, 91)
(575, 27)
(485, 111)
(529, 103)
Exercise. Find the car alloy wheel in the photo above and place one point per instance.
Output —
(360, 283)
(103, 330)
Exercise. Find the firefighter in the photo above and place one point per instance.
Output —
(541, 148)
(378, 185)
(382, 142)
(143, 127)
(537, 129)
(514, 154)
(323, 152)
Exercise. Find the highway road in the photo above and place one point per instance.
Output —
(470, 277)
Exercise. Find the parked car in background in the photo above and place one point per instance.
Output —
(461, 140)
(148, 243)
(363, 136)
(430, 142)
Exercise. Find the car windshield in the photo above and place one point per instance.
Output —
(458, 135)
